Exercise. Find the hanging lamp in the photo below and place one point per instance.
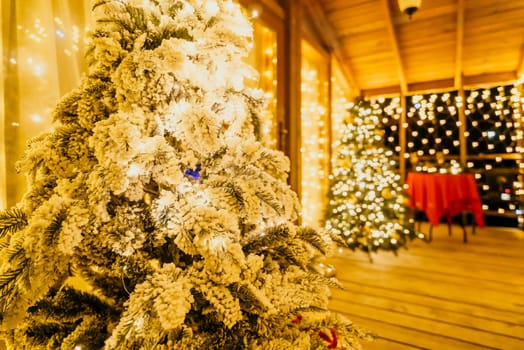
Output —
(409, 7)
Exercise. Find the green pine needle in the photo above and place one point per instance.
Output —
(9, 284)
(248, 298)
(290, 254)
(312, 237)
(12, 220)
(232, 190)
(271, 200)
(15, 251)
(271, 237)
(54, 228)
(316, 278)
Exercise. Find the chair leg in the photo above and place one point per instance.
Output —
(463, 224)
(418, 221)
(430, 238)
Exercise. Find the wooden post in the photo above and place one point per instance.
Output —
(402, 130)
(462, 128)
(329, 124)
(459, 82)
(293, 39)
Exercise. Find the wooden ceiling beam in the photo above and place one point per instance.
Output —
(485, 79)
(469, 82)
(520, 65)
(272, 5)
(431, 86)
(385, 91)
(328, 33)
(275, 7)
(394, 43)
(460, 44)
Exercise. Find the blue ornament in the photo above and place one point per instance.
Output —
(194, 174)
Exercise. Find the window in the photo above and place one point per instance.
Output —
(314, 148)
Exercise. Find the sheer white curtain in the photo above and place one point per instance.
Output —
(43, 43)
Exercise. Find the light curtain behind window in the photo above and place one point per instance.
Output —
(43, 44)
(263, 57)
(339, 106)
(314, 146)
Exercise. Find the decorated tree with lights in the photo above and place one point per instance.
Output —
(367, 203)
(154, 217)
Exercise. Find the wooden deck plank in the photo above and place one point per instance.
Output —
(353, 290)
(451, 317)
(441, 295)
(408, 338)
(431, 285)
(432, 270)
(436, 327)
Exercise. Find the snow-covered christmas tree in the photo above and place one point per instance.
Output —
(367, 203)
(154, 218)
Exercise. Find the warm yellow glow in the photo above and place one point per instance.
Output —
(339, 103)
(46, 63)
(263, 57)
(134, 170)
(314, 143)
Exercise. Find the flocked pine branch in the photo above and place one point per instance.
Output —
(315, 239)
(251, 299)
(270, 237)
(11, 280)
(12, 220)
(51, 232)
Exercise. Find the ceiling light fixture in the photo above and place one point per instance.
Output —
(409, 7)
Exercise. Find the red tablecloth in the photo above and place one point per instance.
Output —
(444, 195)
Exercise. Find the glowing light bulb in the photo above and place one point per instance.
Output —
(134, 170)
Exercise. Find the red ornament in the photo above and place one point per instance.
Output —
(297, 319)
(333, 341)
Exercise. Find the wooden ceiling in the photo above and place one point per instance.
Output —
(447, 44)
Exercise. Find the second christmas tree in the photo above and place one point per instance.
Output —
(367, 203)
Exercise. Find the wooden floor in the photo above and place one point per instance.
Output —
(444, 295)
